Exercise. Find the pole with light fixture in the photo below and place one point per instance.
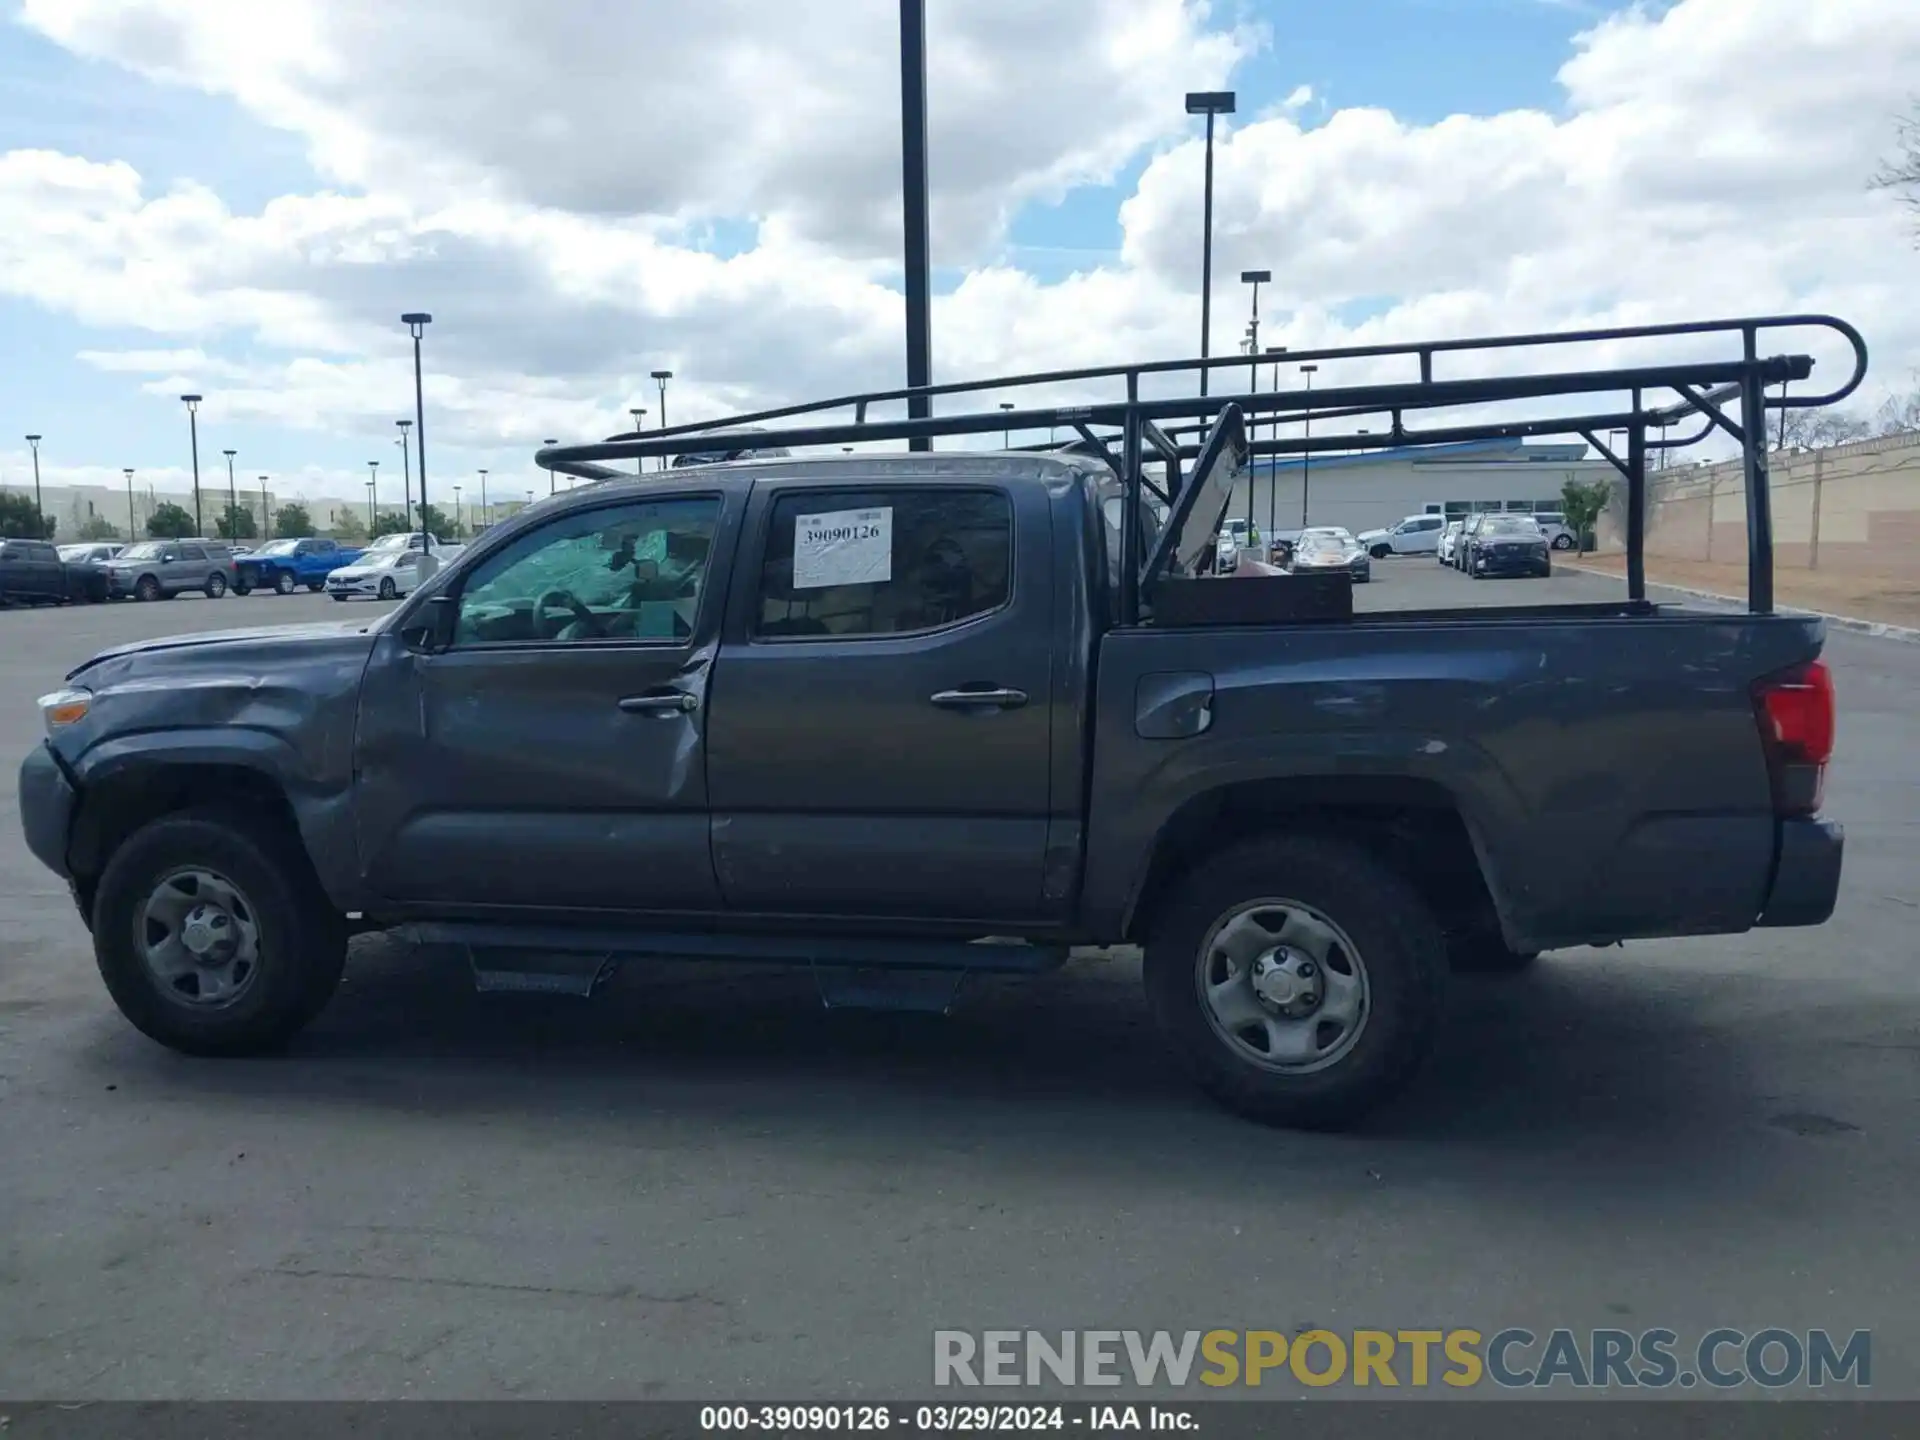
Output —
(133, 526)
(39, 512)
(233, 500)
(661, 377)
(486, 518)
(551, 478)
(373, 474)
(1274, 352)
(406, 477)
(192, 402)
(1209, 103)
(639, 414)
(1255, 278)
(416, 322)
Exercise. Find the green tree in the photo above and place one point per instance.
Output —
(348, 528)
(236, 522)
(389, 522)
(1582, 504)
(439, 524)
(169, 522)
(97, 527)
(20, 519)
(292, 522)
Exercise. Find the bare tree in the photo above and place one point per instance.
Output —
(1902, 173)
(1899, 414)
(1817, 429)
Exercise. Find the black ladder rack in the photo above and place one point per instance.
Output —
(1134, 430)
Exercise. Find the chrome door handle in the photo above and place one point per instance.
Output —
(1001, 699)
(678, 703)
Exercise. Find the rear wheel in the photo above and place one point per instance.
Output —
(1563, 542)
(216, 586)
(242, 585)
(1300, 979)
(283, 582)
(213, 936)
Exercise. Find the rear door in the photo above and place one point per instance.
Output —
(189, 569)
(881, 720)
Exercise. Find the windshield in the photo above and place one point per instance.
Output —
(1316, 541)
(276, 547)
(386, 544)
(1509, 525)
(145, 550)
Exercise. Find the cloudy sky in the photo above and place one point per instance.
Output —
(240, 197)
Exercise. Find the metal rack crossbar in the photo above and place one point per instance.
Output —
(1160, 432)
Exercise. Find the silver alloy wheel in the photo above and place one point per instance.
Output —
(1283, 986)
(199, 938)
(283, 583)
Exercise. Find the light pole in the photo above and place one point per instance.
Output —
(1306, 455)
(373, 474)
(660, 376)
(1006, 436)
(417, 321)
(1208, 103)
(133, 528)
(233, 500)
(266, 515)
(485, 518)
(551, 480)
(1255, 278)
(639, 413)
(39, 514)
(406, 477)
(1274, 352)
(456, 512)
(192, 402)
(917, 246)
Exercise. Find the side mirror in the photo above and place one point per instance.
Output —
(431, 630)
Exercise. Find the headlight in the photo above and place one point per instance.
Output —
(65, 707)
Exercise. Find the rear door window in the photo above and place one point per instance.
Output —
(864, 562)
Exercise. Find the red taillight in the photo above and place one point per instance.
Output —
(1796, 712)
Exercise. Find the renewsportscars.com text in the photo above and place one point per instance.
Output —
(1656, 1359)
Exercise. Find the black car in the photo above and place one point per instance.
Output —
(1507, 545)
(31, 573)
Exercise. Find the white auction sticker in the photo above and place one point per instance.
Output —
(843, 547)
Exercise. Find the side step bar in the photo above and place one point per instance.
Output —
(851, 971)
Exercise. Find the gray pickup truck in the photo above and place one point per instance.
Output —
(915, 715)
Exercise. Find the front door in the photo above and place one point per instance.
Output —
(879, 744)
(554, 757)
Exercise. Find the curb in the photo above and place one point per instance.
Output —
(1879, 629)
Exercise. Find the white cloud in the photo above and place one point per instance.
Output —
(526, 172)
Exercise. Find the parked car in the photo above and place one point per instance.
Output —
(640, 720)
(87, 562)
(31, 573)
(1324, 548)
(390, 567)
(1227, 552)
(1449, 541)
(725, 454)
(162, 569)
(1467, 527)
(1558, 532)
(1415, 535)
(283, 566)
(1508, 545)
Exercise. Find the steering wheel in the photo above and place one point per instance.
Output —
(589, 621)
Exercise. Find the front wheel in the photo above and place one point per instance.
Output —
(316, 586)
(1299, 978)
(147, 589)
(1381, 552)
(213, 936)
(387, 588)
(341, 598)
(283, 583)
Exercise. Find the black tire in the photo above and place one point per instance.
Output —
(341, 598)
(146, 588)
(284, 583)
(1390, 926)
(1380, 552)
(242, 586)
(302, 942)
(387, 588)
(1563, 542)
(216, 585)
(316, 586)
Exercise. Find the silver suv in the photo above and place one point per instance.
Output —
(156, 569)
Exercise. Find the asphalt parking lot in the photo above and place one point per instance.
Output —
(701, 1185)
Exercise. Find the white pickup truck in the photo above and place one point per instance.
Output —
(1415, 535)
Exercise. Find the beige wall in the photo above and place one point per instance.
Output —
(1853, 507)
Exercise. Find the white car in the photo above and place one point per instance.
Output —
(1449, 541)
(391, 567)
(1559, 534)
(1415, 535)
(1228, 552)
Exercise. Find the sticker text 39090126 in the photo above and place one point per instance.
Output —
(843, 547)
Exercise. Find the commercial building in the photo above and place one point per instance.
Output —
(1374, 489)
